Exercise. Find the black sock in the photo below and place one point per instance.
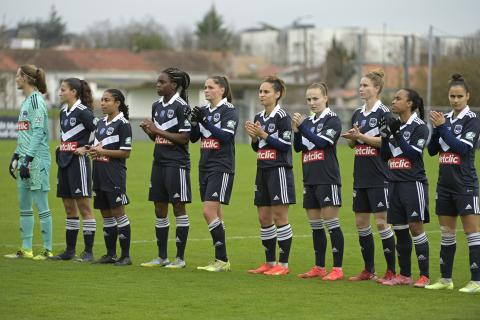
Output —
(71, 233)
(336, 238)
(473, 240)
(162, 225)
(404, 250)
(388, 243)
(269, 242)
(110, 233)
(422, 252)
(319, 242)
(218, 237)
(124, 235)
(448, 246)
(89, 228)
(367, 246)
(284, 238)
(183, 225)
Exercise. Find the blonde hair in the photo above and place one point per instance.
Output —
(377, 77)
(322, 86)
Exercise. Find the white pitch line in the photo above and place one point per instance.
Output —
(204, 239)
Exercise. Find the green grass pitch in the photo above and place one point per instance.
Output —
(68, 290)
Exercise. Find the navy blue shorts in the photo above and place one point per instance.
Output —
(370, 200)
(453, 204)
(215, 186)
(274, 186)
(322, 195)
(170, 185)
(408, 203)
(75, 180)
(103, 200)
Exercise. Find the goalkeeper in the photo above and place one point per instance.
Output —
(30, 164)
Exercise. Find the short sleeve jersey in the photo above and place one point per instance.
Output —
(169, 116)
(277, 125)
(215, 155)
(458, 172)
(320, 166)
(76, 125)
(370, 171)
(109, 174)
(33, 120)
(415, 132)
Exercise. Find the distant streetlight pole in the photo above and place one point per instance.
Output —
(430, 63)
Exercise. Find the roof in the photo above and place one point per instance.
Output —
(114, 60)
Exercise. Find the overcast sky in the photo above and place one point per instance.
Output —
(457, 18)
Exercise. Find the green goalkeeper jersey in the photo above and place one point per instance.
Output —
(33, 133)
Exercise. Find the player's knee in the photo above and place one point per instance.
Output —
(179, 209)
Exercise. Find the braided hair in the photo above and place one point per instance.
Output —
(417, 101)
(181, 78)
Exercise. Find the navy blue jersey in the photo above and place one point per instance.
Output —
(217, 155)
(369, 171)
(402, 168)
(278, 125)
(110, 174)
(76, 125)
(170, 117)
(320, 165)
(457, 173)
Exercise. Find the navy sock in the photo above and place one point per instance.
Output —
(124, 235)
(162, 226)
(218, 237)
(319, 238)
(404, 249)
(388, 244)
(422, 252)
(336, 238)
(269, 242)
(183, 225)
(110, 233)
(284, 238)
(71, 233)
(448, 246)
(367, 246)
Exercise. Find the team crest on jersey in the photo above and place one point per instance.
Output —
(363, 123)
(110, 131)
(162, 114)
(406, 135)
(216, 117)
(271, 127)
(170, 113)
(372, 122)
(457, 129)
(24, 113)
(73, 121)
(287, 135)
(102, 131)
(231, 124)
(319, 127)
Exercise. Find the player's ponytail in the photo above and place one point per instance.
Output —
(417, 102)
(181, 78)
(222, 82)
(82, 89)
(118, 96)
(35, 77)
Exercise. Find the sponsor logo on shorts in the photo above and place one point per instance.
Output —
(314, 155)
(267, 154)
(162, 140)
(210, 143)
(66, 146)
(449, 158)
(399, 164)
(365, 151)
(23, 125)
